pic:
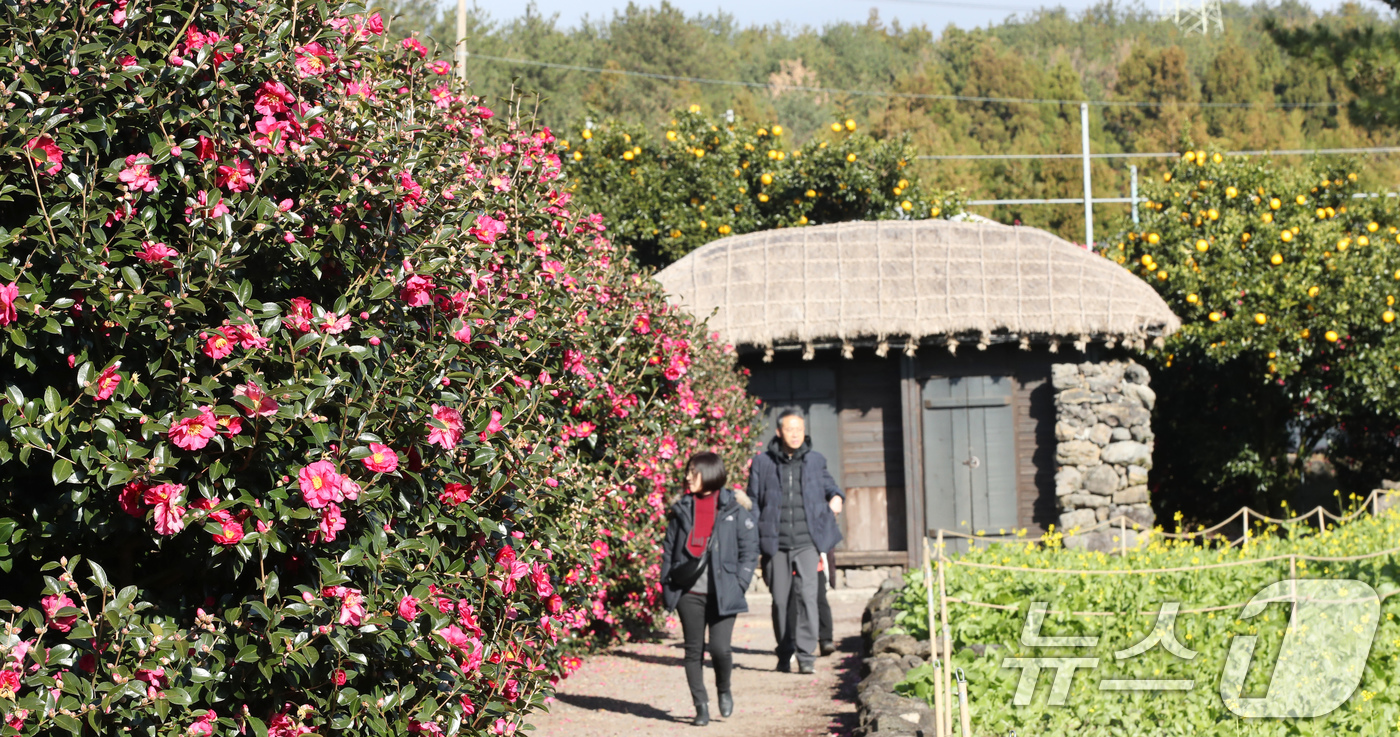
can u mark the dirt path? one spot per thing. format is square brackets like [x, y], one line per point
[640, 688]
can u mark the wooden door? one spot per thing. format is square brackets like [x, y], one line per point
[969, 454]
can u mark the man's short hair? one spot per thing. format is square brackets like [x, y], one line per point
[790, 412]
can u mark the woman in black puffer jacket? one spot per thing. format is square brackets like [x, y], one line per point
[707, 562]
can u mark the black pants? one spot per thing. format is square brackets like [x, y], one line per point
[823, 610]
[696, 613]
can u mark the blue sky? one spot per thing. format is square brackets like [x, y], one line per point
[936, 14]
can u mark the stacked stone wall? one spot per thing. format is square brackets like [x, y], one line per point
[1104, 441]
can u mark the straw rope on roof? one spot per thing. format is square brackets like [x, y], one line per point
[913, 279]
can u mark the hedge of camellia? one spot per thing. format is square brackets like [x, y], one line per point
[712, 178]
[323, 413]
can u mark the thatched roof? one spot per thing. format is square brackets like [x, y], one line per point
[912, 280]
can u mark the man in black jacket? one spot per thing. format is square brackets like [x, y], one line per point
[798, 501]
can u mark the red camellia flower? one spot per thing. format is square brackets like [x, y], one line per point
[320, 484]
[217, 345]
[381, 459]
[455, 494]
[193, 433]
[51, 153]
[204, 149]
[8, 294]
[332, 522]
[417, 291]
[539, 574]
[52, 605]
[440, 67]
[236, 177]
[232, 532]
[408, 607]
[413, 44]
[263, 405]
[131, 496]
[107, 382]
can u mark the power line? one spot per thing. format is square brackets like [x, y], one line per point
[969, 6]
[899, 95]
[1165, 154]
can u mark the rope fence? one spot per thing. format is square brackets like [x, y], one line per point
[936, 565]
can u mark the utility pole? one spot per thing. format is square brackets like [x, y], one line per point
[462, 40]
[1132, 171]
[1088, 182]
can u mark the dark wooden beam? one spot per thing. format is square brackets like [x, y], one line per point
[912, 415]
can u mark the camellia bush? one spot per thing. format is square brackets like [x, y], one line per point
[710, 178]
[324, 410]
[1286, 285]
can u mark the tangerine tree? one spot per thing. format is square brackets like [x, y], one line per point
[1285, 279]
[708, 178]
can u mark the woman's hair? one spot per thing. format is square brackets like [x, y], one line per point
[711, 468]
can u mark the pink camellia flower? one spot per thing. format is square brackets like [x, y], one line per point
[237, 177]
[169, 515]
[361, 89]
[487, 228]
[642, 325]
[205, 150]
[246, 336]
[320, 484]
[263, 405]
[332, 522]
[454, 636]
[217, 345]
[375, 24]
[137, 173]
[107, 382]
[408, 607]
[381, 459]
[311, 59]
[203, 725]
[413, 44]
[333, 325]
[8, 294]
[450, 433]
[349, 489]
[10, 683]
[230, 425]
[51, 153]
[539, 574]
[454, 494]
[152, 252]
[52, 605]
[463, 333]
[495, 424]
[417, 291]
[512, 569]
[502, 727]
[352, 607]
[193, 433]
[273, 98]
[440, 67]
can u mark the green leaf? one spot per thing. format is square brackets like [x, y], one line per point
[62, 470]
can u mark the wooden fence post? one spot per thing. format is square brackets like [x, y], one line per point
[934, 656]
[947, 640]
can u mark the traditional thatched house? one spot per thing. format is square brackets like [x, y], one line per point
[922, 352]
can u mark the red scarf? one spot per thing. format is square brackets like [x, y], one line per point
[704, 523]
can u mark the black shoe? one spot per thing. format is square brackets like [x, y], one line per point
[784, 665]
[806, 668]
[726, 704]
[828, 647]
[702, 715]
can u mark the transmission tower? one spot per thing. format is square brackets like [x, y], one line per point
[1199, 18]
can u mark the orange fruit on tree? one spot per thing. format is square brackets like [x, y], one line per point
[1215, 316]
[1276, 259]
[1260, 318]
[1331, 336]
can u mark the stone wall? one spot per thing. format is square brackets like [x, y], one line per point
[1103, 433]
[887, 655]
